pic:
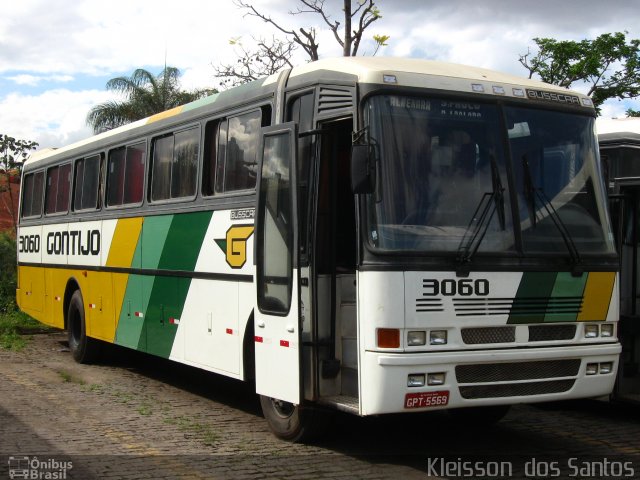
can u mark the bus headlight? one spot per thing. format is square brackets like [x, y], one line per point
[438, 337]
[436, 378]
[590, 331]
[606, 330]
[606, 367]
[592, 369]
[415, 380]
[416, 338]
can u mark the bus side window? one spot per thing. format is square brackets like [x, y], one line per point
[87, 176]
[57, 192]
[174, 165]
[209, 157]
[230, 152]
[125, 175]
[241, 152]
[301, 111]
[115, 176]
[134, 173]
[32, 195]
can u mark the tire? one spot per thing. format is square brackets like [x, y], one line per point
[479, 416]
[292, 422]
[83, 348]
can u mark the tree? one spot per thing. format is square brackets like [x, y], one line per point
[270, 56]
[609, 65]
[145, 94]
[13, 153]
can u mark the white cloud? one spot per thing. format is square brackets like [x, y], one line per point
[60, 117]
[54, 41]
[34, 80]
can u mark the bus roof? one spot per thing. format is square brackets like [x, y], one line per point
[618, 131]
[372, 70]
[407, 72]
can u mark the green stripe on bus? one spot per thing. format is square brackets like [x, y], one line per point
[565, 297]
[131, 330]
[184, 241]
[534, 289]
[181, 248]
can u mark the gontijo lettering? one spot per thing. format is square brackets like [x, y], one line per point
[74, 242]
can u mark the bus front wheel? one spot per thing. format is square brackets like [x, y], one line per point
[291, 422]
[83, 348]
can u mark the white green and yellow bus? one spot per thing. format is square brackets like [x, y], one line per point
[372, 235]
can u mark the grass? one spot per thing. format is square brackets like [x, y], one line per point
[13, 324]
[68, 377]
[189, 425]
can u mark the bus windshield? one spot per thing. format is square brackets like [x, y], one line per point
[443, 186]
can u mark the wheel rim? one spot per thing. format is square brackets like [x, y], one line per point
[281, 408]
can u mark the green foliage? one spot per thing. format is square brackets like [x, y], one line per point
[14, 152]
[145, 94]
[633, 113]
[12, 321]
[12, 325]
[7, 272]
[609, 65]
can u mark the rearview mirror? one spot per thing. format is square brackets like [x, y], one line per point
[363, 172]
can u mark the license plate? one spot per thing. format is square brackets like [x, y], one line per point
[426, 399]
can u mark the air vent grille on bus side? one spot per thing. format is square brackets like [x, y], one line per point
[331, 99]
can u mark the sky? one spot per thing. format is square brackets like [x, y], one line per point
[56, 56]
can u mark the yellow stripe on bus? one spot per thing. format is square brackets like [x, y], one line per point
[597, 296]
[163, 115]
[123, 247]
[125, 240]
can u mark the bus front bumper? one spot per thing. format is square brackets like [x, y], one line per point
[390, 382]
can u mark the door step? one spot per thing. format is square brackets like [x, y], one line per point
[343, 403]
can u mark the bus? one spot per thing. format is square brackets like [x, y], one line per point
[619, 141]
[370, 235]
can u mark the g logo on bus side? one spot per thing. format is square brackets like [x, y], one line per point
[235, 245]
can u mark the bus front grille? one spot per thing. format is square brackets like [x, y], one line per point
[545, 333]
[519, 371]
[515, 389]
[481, 335]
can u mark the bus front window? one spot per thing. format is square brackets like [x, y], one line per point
[559, 193]
[442, 181]
[440, 166]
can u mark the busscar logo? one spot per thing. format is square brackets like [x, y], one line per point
[235, 245]
[552, 97]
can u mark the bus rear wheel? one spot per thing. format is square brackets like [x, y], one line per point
[83, 348]
[291, 422]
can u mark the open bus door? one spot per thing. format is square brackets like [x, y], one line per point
[625, 215]
[276, 318]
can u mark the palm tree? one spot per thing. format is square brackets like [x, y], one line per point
[145, 94]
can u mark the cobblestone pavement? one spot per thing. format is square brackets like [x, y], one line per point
[139, 417]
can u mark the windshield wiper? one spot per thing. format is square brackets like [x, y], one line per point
[481, 219]
[531, 193]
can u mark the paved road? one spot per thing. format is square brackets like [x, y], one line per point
[139, 417]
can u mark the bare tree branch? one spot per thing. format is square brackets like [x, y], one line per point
[275, 54]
